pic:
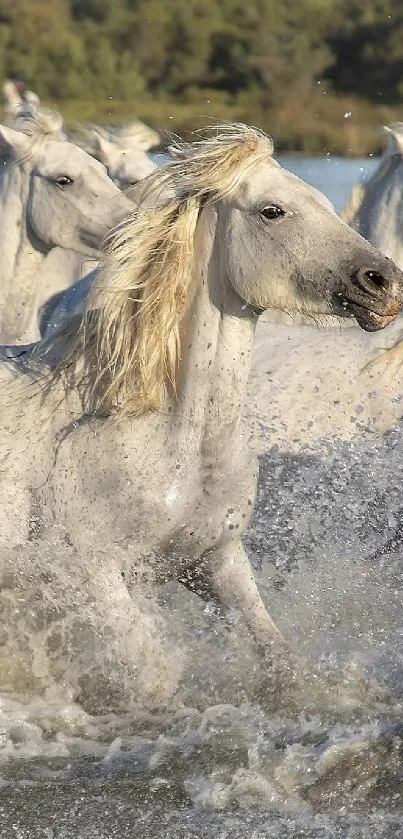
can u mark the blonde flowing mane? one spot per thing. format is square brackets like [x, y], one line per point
[128, 347]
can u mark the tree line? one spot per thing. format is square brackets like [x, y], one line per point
[247, 54]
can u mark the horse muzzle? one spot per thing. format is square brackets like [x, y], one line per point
[374, 295]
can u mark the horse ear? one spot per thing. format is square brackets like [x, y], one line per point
[13, 143]
[103, 148]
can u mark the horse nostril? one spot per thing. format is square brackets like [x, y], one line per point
[377, 279]
[371, 281]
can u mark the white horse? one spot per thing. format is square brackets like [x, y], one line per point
[71, 301]
[375, 208]
[125, 165]
[124, 154]
[54, 200]
[127, 458]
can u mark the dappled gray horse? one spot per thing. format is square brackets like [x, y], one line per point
[375, 209]
[54, 200]
[127, 456]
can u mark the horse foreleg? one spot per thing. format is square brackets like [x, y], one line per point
[224, 574]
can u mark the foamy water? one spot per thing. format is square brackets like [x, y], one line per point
[324, 758]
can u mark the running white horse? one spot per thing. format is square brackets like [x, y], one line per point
[54, 200]
[375, 208]
[127, 457]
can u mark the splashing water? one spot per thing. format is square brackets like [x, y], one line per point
[325, 760]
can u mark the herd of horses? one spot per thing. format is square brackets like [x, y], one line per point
[130, 294]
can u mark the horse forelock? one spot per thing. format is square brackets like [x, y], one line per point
[40, 125]
[131, 345]
[39, 128]
[38, 122]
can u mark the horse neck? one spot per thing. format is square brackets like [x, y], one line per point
[378, 219]
[216, 340]
[21, 261]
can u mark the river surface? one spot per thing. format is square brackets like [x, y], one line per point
[235, 749]
[335, 176]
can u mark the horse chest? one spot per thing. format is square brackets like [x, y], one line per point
[157, 500]
[220, 512]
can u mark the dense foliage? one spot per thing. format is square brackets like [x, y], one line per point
[250, 55]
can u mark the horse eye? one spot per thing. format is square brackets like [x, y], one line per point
[64, 180]
[272, 212]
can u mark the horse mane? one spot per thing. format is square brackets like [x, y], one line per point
[127, 347]
[355, 201]
[133, 137]
[136, 132]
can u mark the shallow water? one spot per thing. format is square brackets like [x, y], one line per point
[235, 750]
[335, 176]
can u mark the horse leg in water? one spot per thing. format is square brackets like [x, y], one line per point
[225, 576]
